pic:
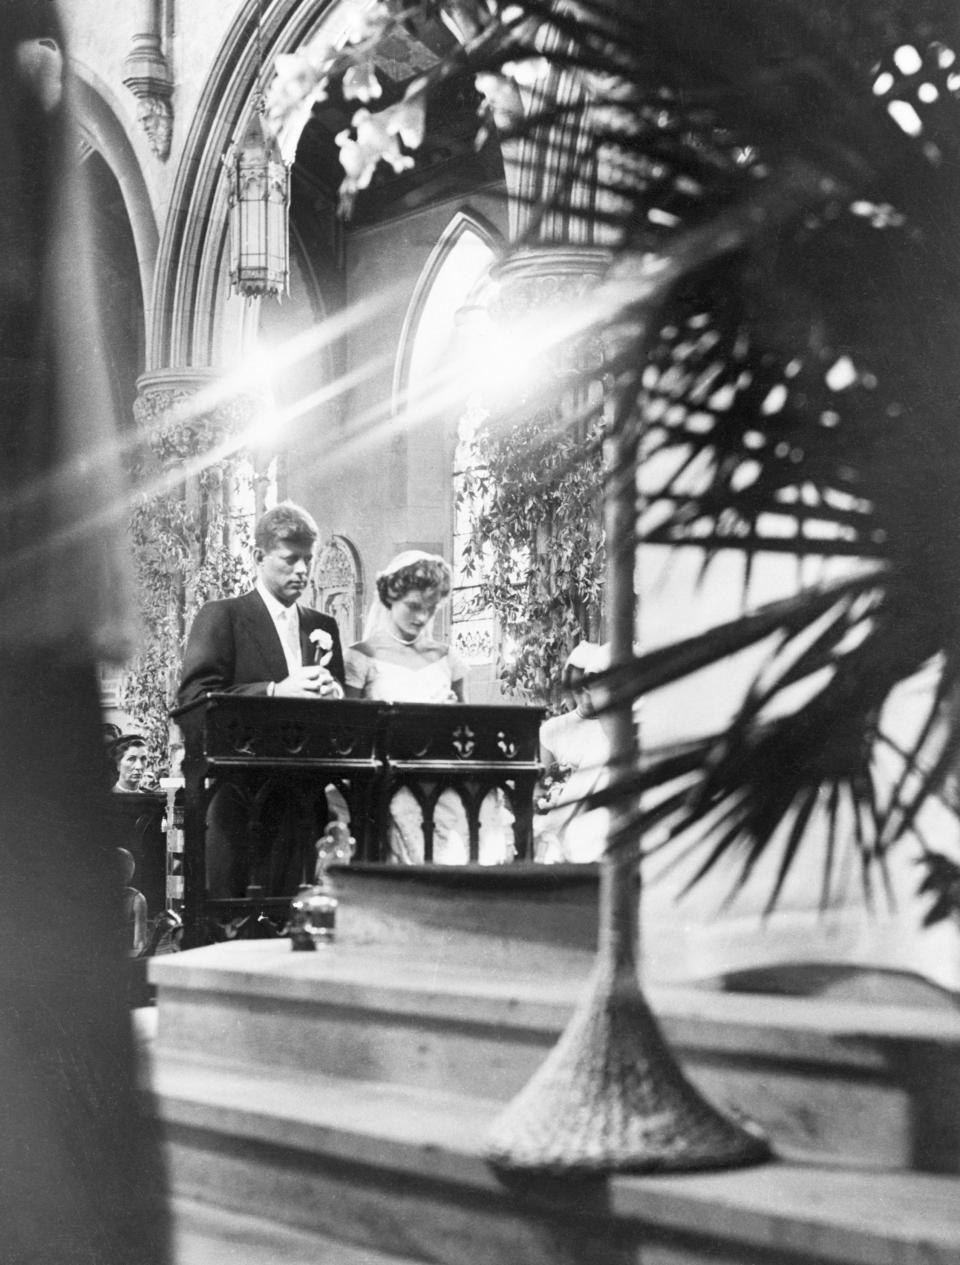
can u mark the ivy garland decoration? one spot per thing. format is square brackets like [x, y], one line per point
[537, 548]
[183, 557]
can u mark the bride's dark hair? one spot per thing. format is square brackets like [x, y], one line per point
[425, 572]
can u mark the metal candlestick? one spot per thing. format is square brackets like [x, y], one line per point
[313, 911]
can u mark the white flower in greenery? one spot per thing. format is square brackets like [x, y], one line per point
[501, 97]
[358, 158]
[408, 119]
[360, 83]
[356, 164]
[378, 137]
[301, 79]
[527, 71]
[295, 77]
[370, 25]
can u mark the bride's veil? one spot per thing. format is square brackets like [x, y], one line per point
[376, 622]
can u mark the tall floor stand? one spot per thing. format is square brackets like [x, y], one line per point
[610, 1095]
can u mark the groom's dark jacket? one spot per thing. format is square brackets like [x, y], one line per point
[234, 648]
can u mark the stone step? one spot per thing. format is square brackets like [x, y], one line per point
[205, 1235]
[398, 1170]
[859, 1084]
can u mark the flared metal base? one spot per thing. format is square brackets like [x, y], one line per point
[610, 1097]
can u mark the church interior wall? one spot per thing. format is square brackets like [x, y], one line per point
[101, 34]
[388, 488]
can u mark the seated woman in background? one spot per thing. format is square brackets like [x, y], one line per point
[129, 755]
[399, 661]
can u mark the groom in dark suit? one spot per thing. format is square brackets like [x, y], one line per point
[262, 643]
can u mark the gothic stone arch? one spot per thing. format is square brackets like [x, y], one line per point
[336, 586]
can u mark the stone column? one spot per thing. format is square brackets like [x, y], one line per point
[199, 493]
[147, 74]
[547, 287]
[196, 434]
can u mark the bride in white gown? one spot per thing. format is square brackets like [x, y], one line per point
[399, 661]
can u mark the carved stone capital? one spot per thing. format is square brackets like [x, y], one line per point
[534, 281]
[155, 116]
[185, 413]
[539, 286]
[147, 75]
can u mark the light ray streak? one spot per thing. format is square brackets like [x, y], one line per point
[232, 444]
[91, 465]
[325, 394]
[71, 477]
[265, 363]
[445, 390]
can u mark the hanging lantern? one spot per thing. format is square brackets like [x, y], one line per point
[259, 202]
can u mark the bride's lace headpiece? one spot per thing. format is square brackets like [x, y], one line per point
[407, 558]
[589, 658]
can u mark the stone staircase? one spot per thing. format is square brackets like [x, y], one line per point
[331, 1107]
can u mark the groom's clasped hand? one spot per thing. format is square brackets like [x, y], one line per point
[312, 681]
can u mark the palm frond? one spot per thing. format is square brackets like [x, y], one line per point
[790, 380]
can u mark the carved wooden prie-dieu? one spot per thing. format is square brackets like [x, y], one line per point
[139, 819]
[289, 752]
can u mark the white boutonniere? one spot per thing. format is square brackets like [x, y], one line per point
[322, 646]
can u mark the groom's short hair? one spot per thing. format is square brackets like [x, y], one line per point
[285, 521]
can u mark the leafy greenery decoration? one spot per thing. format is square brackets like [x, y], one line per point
[537, 544]
[184, 557]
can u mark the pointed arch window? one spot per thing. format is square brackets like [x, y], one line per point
[452, 283]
